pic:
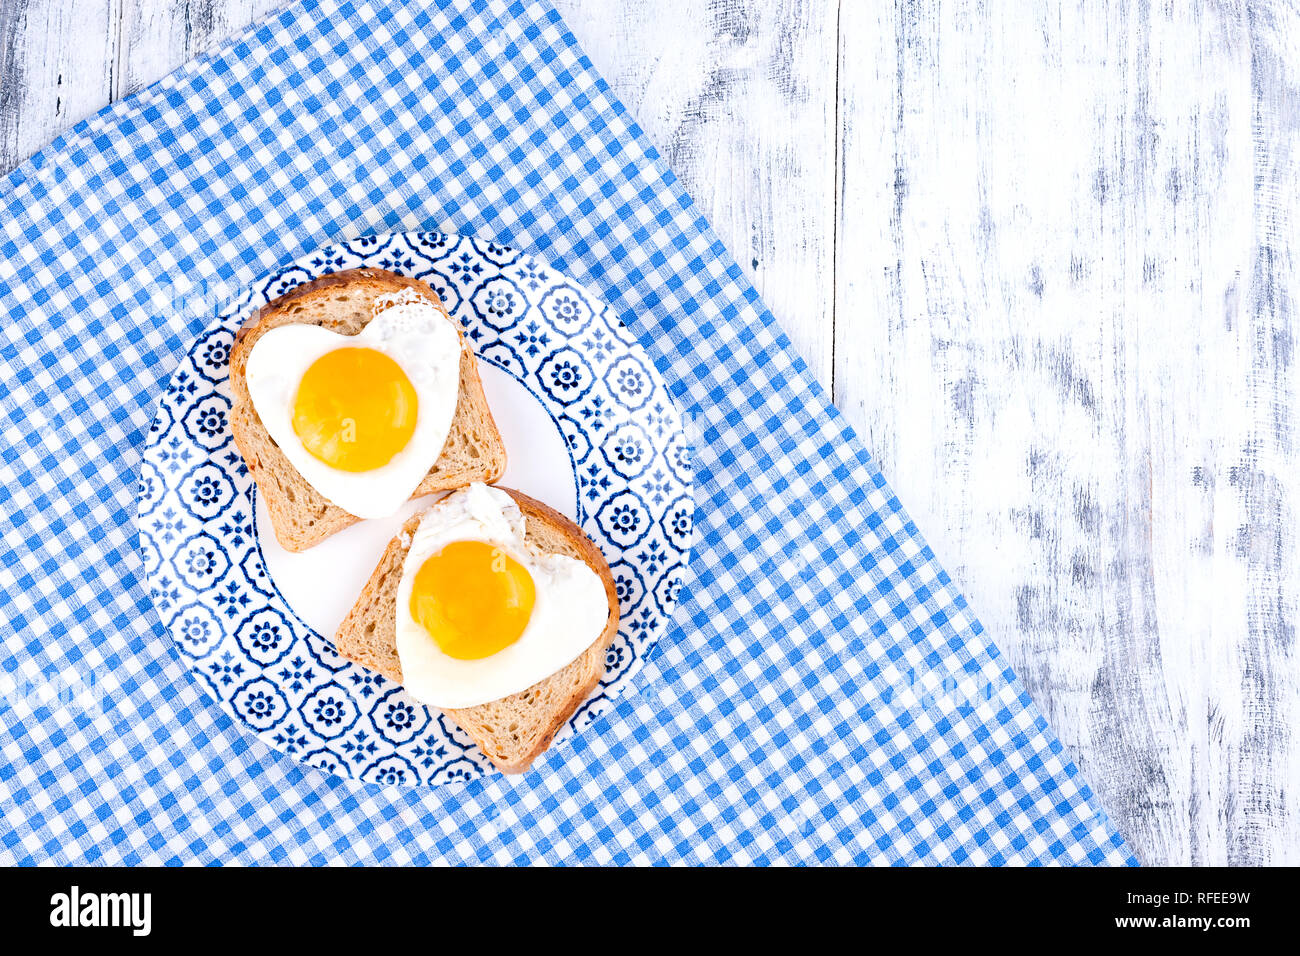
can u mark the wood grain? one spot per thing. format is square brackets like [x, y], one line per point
[1064, 241]
[57, 63]
[740, 99]
[1045, 257]
[62, 60]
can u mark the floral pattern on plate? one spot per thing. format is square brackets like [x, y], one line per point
[203, 560]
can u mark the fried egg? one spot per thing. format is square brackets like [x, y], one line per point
[361, 417]
[480, 613]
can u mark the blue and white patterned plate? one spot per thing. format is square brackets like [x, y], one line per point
[222, 586]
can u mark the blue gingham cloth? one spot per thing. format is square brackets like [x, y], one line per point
[826, 694]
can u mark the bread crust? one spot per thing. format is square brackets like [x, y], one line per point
[283, 489]
[380, 592]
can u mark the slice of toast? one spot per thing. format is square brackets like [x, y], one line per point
[343, 303]
[511, 731]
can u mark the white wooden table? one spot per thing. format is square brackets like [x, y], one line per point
[1047, 264]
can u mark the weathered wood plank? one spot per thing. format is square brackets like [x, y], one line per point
[61, 60]
[160, 35]
[740, 98]
[1065, 272]
[57, 59]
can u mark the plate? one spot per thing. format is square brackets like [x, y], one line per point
[589, 428]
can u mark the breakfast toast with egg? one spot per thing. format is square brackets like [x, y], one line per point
[513, 730]
[343, 302]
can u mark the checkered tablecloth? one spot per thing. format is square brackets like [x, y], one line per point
[826, 695]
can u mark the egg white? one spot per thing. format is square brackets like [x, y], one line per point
[569, 611]
[416, 335]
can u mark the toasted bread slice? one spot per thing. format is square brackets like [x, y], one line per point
[343, 302]
[511, 731]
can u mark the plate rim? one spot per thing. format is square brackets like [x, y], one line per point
[231, 313]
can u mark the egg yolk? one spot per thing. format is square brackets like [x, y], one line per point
[473, 599]
[355, 409]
